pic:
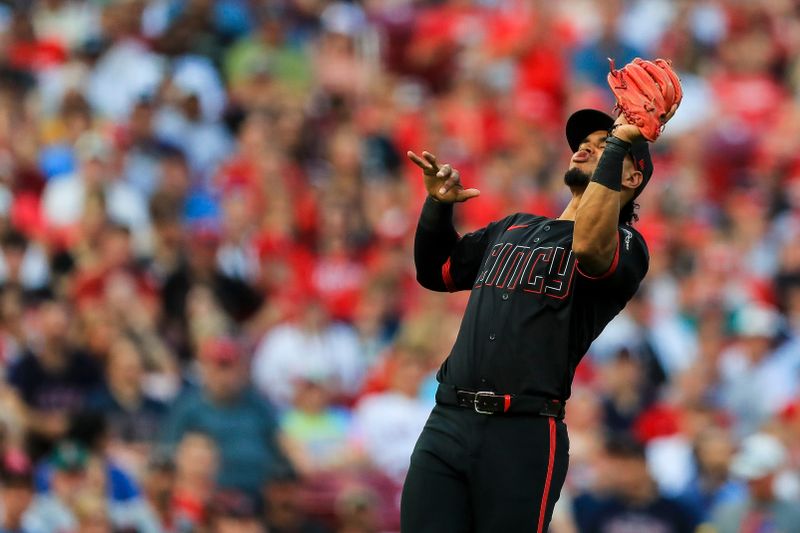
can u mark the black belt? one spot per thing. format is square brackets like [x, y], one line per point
[488, 402]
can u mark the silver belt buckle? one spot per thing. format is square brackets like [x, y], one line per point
[475, 401]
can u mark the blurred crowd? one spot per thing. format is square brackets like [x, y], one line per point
[209, 319]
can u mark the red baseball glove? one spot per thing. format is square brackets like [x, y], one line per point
[646, 91]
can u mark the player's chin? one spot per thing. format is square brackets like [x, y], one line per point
[576, 176]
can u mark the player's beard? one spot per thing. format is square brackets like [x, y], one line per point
[576, 178]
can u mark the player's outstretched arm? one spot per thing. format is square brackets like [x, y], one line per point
[436, 236]
[595, 237]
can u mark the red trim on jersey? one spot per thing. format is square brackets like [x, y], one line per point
[550, 460]
[609, 272]
[506, 402]
[517, 226]
[448, 279]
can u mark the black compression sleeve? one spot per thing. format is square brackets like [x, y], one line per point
[433, 243]
[609, 169]
[436, 216]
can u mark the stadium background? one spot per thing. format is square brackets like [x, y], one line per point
[200, 194]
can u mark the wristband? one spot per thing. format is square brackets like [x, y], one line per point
[609, 168]
[616, 141]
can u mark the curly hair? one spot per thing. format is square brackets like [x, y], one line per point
[627, 214]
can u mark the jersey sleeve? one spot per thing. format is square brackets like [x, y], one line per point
[461, 267]
[446, 261]
[628, 268]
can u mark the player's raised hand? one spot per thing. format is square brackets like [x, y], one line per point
[442, 182]
[626, 131]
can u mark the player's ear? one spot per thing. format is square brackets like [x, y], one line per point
[632, 179]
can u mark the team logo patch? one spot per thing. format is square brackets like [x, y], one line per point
[628, 237]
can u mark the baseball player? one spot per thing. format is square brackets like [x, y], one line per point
[493, 455]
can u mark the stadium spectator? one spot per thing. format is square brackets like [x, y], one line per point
[756, 379]
[712, 485]
[94, 186]
[199, 275]
[758, 462]
[196, 470]
[52, 379]
[55, 509]
[267, 51]
[590, 61]
[310, 343]
[316, 432]
[110, 476]
[625, 392]
[132, 416]
[144, 151]
[629, 499]
[242, 426]
[387, 423]
[158, 486]
[22, 262]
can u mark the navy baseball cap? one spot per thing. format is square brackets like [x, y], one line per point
[584, 122]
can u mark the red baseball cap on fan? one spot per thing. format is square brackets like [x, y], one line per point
[16, 469]
[790, 411]
[221, 350]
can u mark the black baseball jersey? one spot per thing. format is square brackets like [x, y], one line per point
[532, 313]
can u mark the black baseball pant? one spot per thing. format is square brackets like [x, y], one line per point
[476, 473]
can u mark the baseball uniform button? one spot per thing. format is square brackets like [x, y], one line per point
[547, 228]
[536, 239]
[492, 336]
[505, 296]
